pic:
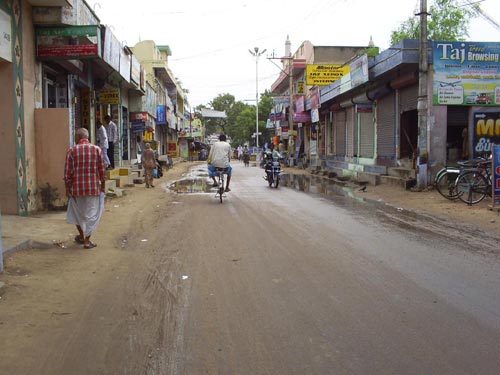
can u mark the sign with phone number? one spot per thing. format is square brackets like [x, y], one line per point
[496, 174]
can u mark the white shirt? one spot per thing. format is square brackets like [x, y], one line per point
[102, 137]
[112, 131]
[220, 154]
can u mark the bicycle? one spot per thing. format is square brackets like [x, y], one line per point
[446, 178]
[220, 194]
[474, 184]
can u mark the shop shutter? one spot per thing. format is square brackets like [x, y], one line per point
[350, 128]
[408, 98]
[367, 135]
[385, 127]
[339, 124]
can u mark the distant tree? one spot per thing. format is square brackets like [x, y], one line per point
[449, 20]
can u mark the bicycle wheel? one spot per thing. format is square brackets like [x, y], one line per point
[445, 183]
[221, 187]
[471, 187]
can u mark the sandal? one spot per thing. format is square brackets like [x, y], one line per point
[91, 245]
[79, 240]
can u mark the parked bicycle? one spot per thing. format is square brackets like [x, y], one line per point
[474, 184]
[446, 179]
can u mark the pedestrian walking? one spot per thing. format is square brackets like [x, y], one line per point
[102, 142]
[112, 131]
[84, 176]
[148, 161]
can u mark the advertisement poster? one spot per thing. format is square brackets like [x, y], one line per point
[466, 73]
[496, 174]
[486, 132]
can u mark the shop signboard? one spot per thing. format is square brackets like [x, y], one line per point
[496, 174]
[161, 115]
[111, 50]
[71, 42]
[485, 132]
[108, 96]
[466, 73]
[324, 74]
[173, 149]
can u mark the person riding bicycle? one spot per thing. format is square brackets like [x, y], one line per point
[219, 157]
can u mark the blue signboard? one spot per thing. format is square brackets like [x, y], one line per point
[466, 73]
[161, 115]
[496, 174]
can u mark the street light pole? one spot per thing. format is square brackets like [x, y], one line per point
[257, 54]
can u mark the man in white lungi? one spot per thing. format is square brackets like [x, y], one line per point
[84, 176]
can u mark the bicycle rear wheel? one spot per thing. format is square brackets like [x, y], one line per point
[445, 184]
[471, 187]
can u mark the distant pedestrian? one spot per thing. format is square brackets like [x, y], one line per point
[102, 142]
[148, 161]
[84, 176]
[112, 131]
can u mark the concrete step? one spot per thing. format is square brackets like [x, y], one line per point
[402, 172]
[403, 183]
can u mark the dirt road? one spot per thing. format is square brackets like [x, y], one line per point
[269, 282]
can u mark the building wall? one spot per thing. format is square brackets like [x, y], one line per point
[52, 142]
[8, 174]
[30, 82]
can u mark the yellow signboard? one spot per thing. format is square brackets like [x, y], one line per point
[301, 88]
[325, 74]
[108, 97]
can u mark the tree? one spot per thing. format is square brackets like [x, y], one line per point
[449, 20]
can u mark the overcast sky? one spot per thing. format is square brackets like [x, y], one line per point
[210, 40]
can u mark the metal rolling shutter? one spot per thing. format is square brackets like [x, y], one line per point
[339, 124]
[367, 135]
[350, 136]
[385, 127]
[408, 98]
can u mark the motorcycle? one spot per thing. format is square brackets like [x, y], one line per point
[272, 168]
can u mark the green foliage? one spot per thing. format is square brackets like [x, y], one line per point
[448, 20]
[240, 122]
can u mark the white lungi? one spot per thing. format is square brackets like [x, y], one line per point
[86, 212]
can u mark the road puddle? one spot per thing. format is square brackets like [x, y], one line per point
[326, 187]
[194, 182]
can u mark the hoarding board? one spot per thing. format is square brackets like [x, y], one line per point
[466, 73]
[324, 74]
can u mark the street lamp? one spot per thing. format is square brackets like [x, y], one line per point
[257, 54]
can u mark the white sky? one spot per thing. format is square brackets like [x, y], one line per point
[210, 40]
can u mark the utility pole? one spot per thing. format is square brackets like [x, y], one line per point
[257, 54]
[422, 104]
[291, 143]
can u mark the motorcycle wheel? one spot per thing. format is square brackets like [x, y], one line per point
[270, 179]
[276, 181]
